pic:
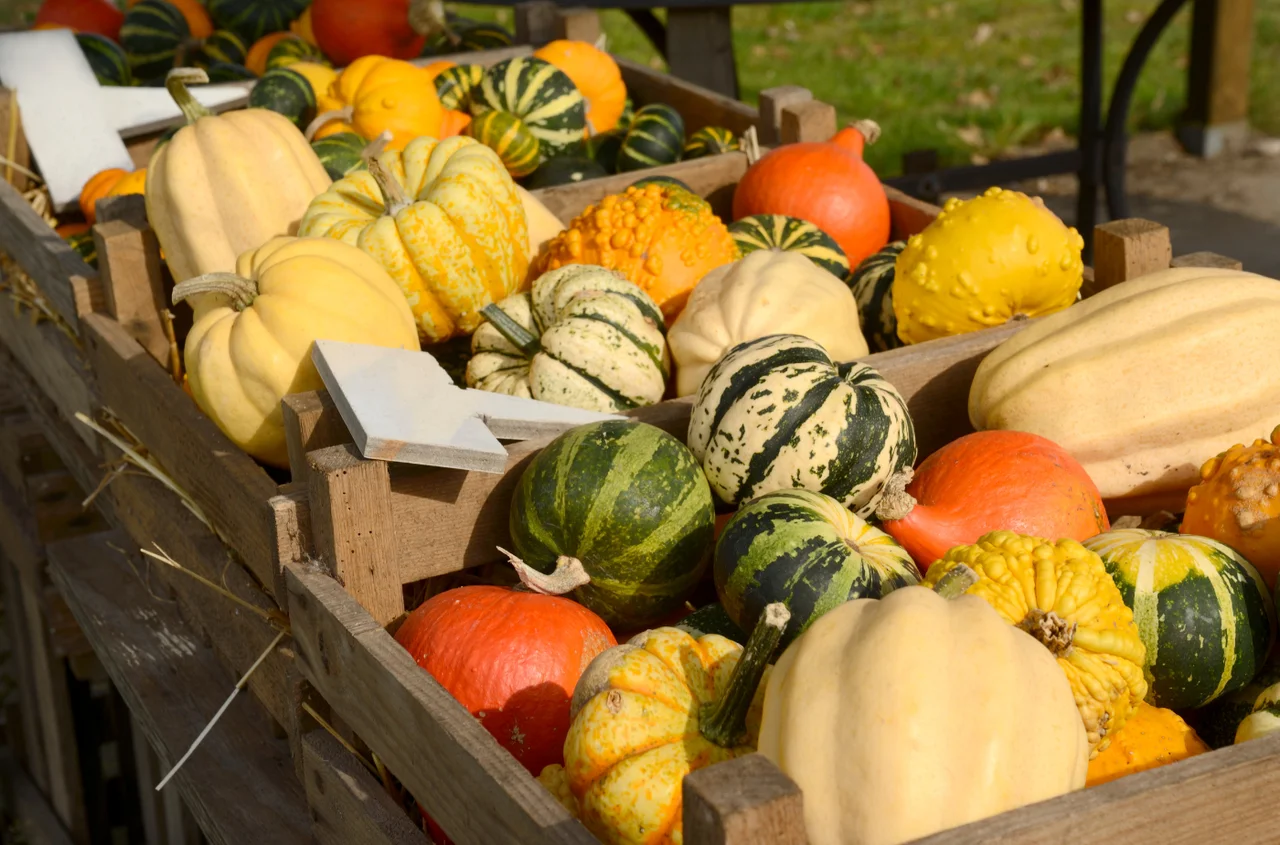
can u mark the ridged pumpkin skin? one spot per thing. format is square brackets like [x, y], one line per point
[106, 58]
[981, 263]
[1153, 737]
[595, 74]
[904, 716]
[768, 292]
[1060, 592]
[384, 95]
[991, 481]
[511, 658]
[1237, 502]
[539, 95]
[872, 285]
[242, 359]
[789, 234]
[460, 242]
[1148, 436]
[1204, 613]
[661, 237]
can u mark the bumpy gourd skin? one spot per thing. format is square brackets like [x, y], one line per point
[1039, 585]
[983, 262]
[1153, 737]
[1237, 502]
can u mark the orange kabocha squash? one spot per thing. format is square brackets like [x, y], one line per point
[661, 237]
[1153, 737]
[990, 481]
[596, 76]
[825, 183]
[376, 94]
[1237, 502]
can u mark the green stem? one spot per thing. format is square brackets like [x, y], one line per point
[724, 722]
[176, 84]
[239, 290]
[515, 334]
[955, 582]
[393, 196]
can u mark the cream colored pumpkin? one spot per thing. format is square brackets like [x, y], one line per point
[1143, 381]
[767, 292]
[243, 357]
[1264, 719]
[543, 225]
[911, 714]
[445, 221]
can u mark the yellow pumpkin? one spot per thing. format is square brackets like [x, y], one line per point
[243, 357]
[1153, 737]
[376, 94]
[595, 74]
[903, 716]
[320, 76]
[542, 224]
[130, 183]
[1061, 594]
[226, 183]
[443, 218]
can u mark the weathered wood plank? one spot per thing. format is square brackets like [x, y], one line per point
[743, 802]
[806, 122]
[772, 102]
[133, 282]
[311, 421]
[35, 822]
[908, 215]
[26, 735]
[1127, 249]
[11, 127]
[348, 806]
[37, 248]
[1206, 259]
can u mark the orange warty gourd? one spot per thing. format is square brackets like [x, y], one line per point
[346, 31]
[96, 188]
[661, 237]
[1237, 502]
[256, 60]
[596, 76]
[1152, 737]
[990, 481]
[100, 16]
[826, 183]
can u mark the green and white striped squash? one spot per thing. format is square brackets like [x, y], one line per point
[603, 148]
[340, 153]
[807, 550]
[583, 336]
[152, 34]
[290, 50]
[454, 85]
[85, 247]
[566, 170]
[222, 45]
[1264, 719]
[542, 96]
[627, 500]
[790, 234]
[1202, 610]
[1218, 722]
[472, 36]
[106, 58]
[655, 137]
[710, 141]
[872, 286]
[227, 72]
[712, 619]
[777, 413]
[252, 19]
[510, 138]
[285, 92]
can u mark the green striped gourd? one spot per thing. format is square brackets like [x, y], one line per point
[567, 170]
[872, 285]
[285, 92]
[790, 234]
[807, 550]
[227, 72]
[583, 336]
[106, 58]
[712, 619]
[152, 34]
[1202, 610]
[627, 500]
[710, 141]
[509, 137]
[454, 85]
[655, 137]
[252, 19]
[542, 96]
[603, 148]
[472, 36]
[340, 153]
[1218, 722]
[85, 247]
[776, 413]
[665, 181]
[222, 46]
[290, 50]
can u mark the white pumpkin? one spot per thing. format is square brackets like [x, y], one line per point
[768, 292]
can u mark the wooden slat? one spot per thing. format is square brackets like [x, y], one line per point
[348, 806]
[1206, 259]
[908, 215]
[806, 122]
[16, 151]
[133, 282]
[1127, 249]
[34, 821]
[311, 421]
[743, 802]
[239, 784]
[38, 250]
[698, 106]
[23, 449]
[772, 102]
[468, 783]
[29, 736]
[535, 22]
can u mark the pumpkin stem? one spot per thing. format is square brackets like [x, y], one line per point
[895, 502]
[750, 145]
[393, 195]
[427, 17]
[569, 575]
[344, 114]
[1054, 632]
[374, 148]
[240, 290]
[514, 333]
[869, 129]
[176, 83]
[724, 722]
[955, 582]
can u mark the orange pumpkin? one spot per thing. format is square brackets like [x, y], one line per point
[1152, 737]
[302, 28]
[100, 16]
[453, 123]
[826, 183]
[66, 230]
[256, 60]
[375, 94]
[198, 20]
[345, 30]
[596, 76]
[96, 188]
[438, 65]
[130, 183]
[991, 481]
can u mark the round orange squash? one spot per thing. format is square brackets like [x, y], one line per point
[100, 16]
[596, 76]
[345, 31]
[256, 60]
[1152, 737]
[96, 188]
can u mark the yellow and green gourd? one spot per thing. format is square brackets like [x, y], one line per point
[710, 141]
[454, 85]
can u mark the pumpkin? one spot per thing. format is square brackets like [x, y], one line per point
[443, 218]
[287, 92]
[1061, 594]
[222, 45]
[583, 337]
[252, 19]
[509, 137]
[512, 658]
[292, 50]
[654, 138]
[789, 234]
[543, 225]
[808, 551]
[541, 96]
[1264, 719]
[627, 500]
[382, 95]
[595, 74]
[302, 28]
[153, 33]
[96, 188]
[468, 36]
[826, 183]
[221, 72]
[663, 238]
[603, 148]
[710, 141]
[1143, 436]
[106, 59]
[647, 713]
[1204, 613]
[130, 183]
[197, 18]
[872, 286]
[97, 16]
[777, 413]
[763, 294]
[347, 31]
[1153, 737]
[455, 84]
[1237, 502]
[256, 59]
[904, 716]
[1218, 722]
[987, 481]
[320, 76]
[340, 154]
[568, 170]
[453, 123]
[662, 182]
[204, 187]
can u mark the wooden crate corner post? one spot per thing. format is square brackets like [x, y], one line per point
[132, 278]
[1127, 249]
[743, 802]
[772, 102]
[807, 121]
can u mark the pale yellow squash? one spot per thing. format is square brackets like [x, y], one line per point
[543, 225]
[443, 218]
[243, 357]
[1143, 381]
